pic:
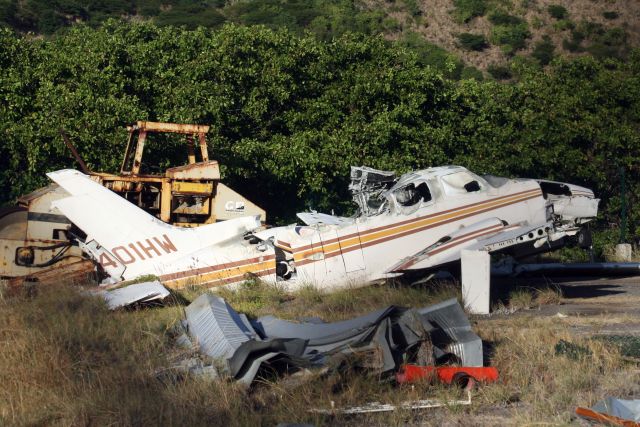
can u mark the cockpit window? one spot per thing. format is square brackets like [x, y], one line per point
[460, 183]
[411, 194]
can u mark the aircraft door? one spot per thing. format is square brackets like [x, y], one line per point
[351, 248]
[332, 253]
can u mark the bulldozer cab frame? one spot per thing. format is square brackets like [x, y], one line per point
[135, 146]
[188, 195]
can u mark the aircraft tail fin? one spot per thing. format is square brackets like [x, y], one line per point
[130, 235]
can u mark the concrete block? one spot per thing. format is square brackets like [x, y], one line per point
[624, 253]
[476, 271]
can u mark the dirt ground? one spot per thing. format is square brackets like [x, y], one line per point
[582, 297]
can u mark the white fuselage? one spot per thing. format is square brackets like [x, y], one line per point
[419, 221]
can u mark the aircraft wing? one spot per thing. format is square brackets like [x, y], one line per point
[490, 235]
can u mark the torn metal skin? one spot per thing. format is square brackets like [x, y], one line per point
[394, 334]
[406, 226]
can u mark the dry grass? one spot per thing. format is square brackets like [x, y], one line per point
[66, 360]
[255, 298]
[546, 386]
[529, 297]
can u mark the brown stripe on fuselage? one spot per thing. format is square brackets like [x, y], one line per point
[259, 260]
[407, 221]
[456, 241]
[233, 279]
[218, 267]
[409, 232]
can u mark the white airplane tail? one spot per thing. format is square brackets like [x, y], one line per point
[131, 236]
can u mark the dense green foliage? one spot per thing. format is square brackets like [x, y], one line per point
[290, 114]
[325, 19]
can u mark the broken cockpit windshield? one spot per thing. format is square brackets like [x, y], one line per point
[367, 186]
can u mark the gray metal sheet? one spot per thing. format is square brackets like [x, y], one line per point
[625, 409]
[320, 333]
[218, 329]
[451, 331]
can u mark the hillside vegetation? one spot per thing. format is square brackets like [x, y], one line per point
[291, 114]
[458, 37]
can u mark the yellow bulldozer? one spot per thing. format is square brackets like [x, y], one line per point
[37, 243]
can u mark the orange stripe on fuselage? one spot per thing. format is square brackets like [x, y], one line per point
[220, 272]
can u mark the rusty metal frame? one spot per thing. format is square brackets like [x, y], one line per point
[143, 127]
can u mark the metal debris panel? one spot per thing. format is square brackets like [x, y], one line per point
[136, 294]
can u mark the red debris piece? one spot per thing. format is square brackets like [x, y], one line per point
[464, 376]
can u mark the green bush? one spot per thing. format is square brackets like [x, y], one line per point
[543, 51]
[572, 45]
[591, 29]
[50, 21]
[471, 73]
[564, 24]
[614, 37]
[413, 7]
[466, 10]
[499, 72]
[470, 41]
[433, 55]
[557, 11]
[191, 17]
[500, 17]
[510, 37]
[609, 14]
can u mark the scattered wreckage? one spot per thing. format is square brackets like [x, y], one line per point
[434, 343]
[383, 339]
[136, 295]
[405, 226]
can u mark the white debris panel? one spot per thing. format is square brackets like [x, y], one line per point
[375, 407]
[140, 293]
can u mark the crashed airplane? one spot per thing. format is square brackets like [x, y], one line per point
[404, 226]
